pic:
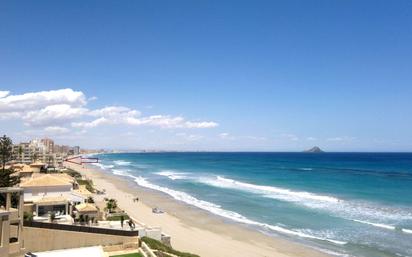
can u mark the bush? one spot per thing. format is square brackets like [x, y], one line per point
[27, 216]
[157, 245]
[87, 183]
[73, 174]
[129, 255]
[118, 217]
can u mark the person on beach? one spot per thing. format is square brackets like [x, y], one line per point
[121, 220]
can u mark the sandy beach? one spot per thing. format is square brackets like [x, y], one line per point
[191, 229]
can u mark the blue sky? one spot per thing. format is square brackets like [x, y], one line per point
[209, 75]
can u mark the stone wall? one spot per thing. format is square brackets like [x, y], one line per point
[40, 239]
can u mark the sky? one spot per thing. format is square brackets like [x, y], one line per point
[208, 75]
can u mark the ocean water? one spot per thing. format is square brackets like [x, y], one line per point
[347, 204]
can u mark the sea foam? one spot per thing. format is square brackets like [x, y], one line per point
[102, 166]
[408, 231]
[347, 209]
[217, 210]
[379, 225]
[121, 163]
[173, 175]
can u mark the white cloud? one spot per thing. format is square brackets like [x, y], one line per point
[55, 108]
[189, 137]
[56, 130]
[39, 100]
[311, 139]
[256, 138]
[92, 124]
[114, 111]
[292, 137]
[166, 121]
[226, 136]
[340, 139]
[53, 114]
[4, 93]
[202, 124]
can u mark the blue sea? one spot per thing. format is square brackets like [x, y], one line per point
[348, 204]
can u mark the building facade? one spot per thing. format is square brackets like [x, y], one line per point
[43, 151]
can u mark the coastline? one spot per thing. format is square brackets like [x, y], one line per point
[192, 230]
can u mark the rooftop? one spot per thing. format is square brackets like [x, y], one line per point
[86, 207]
[46, 180]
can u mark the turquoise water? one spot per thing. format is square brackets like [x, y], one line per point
[349, 204]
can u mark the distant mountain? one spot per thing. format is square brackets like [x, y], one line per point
[313, 150]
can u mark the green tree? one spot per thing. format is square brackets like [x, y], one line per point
[111, 204]
[6, 150]
[7, 176]
[20, 152]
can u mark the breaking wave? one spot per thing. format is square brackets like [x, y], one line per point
[408, 231]
[172, 174]
[102, 166]
[351, 210]
[121, 163]
[217, 210]
[379, 225]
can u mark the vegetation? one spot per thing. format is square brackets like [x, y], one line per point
[7, 176]
[129, 255]
[28, 216]
[52, 217]
[111, 204]
[118, 217]
[157, 245]
[20, 152]
[162, 254]
[73, 174]
[87, 183]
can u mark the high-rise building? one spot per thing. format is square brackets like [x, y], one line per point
[49, 144]
[44, 151]
[76, 150]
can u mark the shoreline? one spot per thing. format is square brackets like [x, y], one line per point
[192, 229]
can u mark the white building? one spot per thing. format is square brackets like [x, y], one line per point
[50, 193]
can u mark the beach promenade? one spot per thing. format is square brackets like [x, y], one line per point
[192, 230]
